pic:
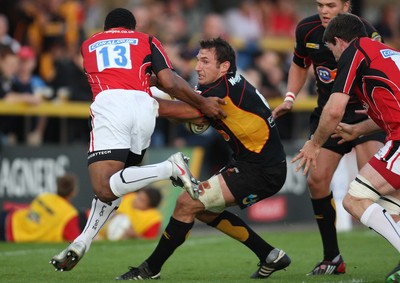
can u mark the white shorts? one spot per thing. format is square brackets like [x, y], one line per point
[122, 119]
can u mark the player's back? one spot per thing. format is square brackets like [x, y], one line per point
[117, 59]
[381, 80]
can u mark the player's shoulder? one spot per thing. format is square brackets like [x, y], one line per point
[371, 31]
[309, 22]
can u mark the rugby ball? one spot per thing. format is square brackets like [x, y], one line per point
[197, 129]
[117, 227]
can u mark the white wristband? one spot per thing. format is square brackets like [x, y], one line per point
[290, 96]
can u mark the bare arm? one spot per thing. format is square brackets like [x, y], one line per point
[177, 87]
[331, 115]
[176, 109]
[350, 132]
[296, 79]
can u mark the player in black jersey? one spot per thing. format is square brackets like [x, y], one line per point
[310, 51]
[257, 169]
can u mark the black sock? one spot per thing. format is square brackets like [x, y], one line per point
[236, 228]
[174, 235]
[325, 214]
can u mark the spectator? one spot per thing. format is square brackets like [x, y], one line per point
[11, 126]
[136, 217]
[49, 218]
[30, 84]
[244, 27]
[5, 38]
[388, 24]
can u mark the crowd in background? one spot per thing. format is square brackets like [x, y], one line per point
[40, 53]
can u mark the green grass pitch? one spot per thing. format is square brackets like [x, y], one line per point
[205, 257]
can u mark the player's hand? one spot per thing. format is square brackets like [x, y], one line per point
[346, 132]
[282, 109]
[361, 112]
[307, 156]
[212, 107]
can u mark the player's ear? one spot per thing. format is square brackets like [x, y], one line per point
[225, 66]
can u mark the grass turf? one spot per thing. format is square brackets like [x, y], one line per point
[205, 258]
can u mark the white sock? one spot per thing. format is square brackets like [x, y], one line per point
[134, 178]
[99, 214]
[376, 218]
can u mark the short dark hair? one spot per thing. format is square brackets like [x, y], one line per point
[154, 196]
[344, 26]
[223, 50]
[67, 184]
[120, 18]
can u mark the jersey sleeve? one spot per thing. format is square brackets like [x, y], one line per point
[300, 55]
[159, 58]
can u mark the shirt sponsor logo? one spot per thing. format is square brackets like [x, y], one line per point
[312, 45]
[100, 43]
[386, 53]
[325, 74]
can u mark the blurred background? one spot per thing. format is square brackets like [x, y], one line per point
[44, 110]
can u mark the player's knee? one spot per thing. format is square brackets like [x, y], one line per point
[316, 183]
[211, 195]
[361, 188]
[103, 192]
[184, 205]
[348, 202]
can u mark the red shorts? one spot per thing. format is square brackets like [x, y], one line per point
[387, 162]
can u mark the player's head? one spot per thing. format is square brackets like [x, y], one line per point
[67, 185]
[120, 18]
[328, 9]
[346, 27]
[342, 30]
[215, 59]
[147, 198]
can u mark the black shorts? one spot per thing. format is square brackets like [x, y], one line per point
[332, 144]
[250, 183]
[123, 155]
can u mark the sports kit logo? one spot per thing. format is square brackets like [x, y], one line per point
[325, 74]
[250, 200]
[312, 45]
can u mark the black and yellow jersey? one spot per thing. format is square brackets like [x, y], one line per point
[249, 128]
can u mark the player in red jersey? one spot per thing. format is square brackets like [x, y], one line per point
[310, 51]
[370, 70]
[119, 63]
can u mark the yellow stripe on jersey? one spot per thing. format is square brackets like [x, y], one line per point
[250, 129]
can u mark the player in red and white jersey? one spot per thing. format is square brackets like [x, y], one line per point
[119, 63]
[128, 55]
[371, 70]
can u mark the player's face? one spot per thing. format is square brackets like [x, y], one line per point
[207, 67]
[328, 9]
[336, 50]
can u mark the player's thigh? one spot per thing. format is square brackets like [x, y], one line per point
[365, 151]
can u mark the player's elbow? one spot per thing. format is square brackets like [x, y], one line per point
[335, 113]
[168, 81]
